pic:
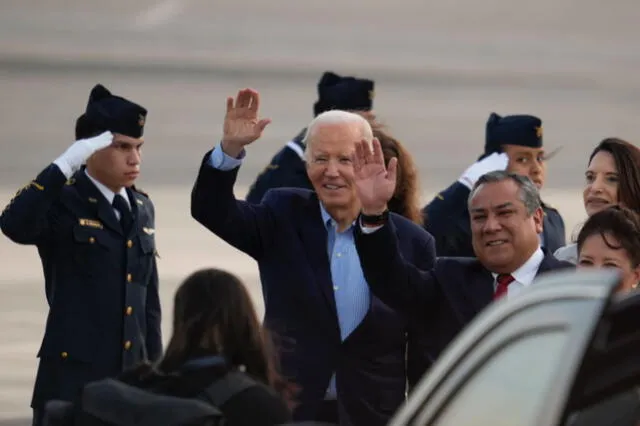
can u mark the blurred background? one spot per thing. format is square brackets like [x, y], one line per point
[440, 67]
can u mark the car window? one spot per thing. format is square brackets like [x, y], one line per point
[509, 387]
[619, 409]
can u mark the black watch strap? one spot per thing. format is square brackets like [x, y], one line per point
[375, 220]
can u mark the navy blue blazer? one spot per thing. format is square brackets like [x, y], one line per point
[286, 235]
[444, 299]
[101, 284]
[446, 217]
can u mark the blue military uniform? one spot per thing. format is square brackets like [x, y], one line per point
[446, 217]
[287, 168]
[101, 281]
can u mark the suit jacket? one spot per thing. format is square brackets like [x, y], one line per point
[101, 285]
[286, 235]
[444, 299]
[446, 217]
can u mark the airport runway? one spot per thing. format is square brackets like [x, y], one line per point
[440, 69]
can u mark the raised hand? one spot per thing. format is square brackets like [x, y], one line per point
[241, 123]
[375, 184]
[78, 153]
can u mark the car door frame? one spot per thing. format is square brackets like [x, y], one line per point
[479, 341]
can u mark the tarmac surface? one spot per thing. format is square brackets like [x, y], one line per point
[440, 69]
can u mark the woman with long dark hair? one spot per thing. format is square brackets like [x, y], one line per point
[216, 330]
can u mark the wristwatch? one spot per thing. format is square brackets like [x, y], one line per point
[375, 220]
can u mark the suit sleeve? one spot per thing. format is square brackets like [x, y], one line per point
[418, 360]
[425, 256]
[153, 313]
[26, 219]
[401, 285]
[248, 227]
[446, 217]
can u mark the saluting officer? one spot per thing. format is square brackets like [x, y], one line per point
[95, 236]
[519, 139]
[287, 167]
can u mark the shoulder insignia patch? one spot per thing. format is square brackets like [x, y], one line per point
[37, 186]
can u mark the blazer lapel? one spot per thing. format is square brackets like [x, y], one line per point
[135, 212]
[313, 234]
[104, 210]
[479, 285]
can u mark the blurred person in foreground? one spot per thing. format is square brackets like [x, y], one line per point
[612, 178]
[288, 166]
[506, 220]
[341, 345]
[95, 236]
[513, 143]
[215, 331]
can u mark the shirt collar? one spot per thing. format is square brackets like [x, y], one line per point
[108, 194]
[327, 220]
[527, 272]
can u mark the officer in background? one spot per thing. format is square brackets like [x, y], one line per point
[287, 167]
[519, 138]
[95, 236]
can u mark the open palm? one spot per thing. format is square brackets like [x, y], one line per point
[375, 184]
[241, 123]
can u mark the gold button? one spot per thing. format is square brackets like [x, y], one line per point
[127, 345]
[64, 354]
[92, 240]
[129, 278]
[129, 310]
[129, 243]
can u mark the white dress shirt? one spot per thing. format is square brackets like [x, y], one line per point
[524, 275]
[109, 194]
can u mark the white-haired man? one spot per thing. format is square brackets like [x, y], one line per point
[340, 344]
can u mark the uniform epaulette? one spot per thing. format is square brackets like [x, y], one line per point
[139, 191]
[547, 206]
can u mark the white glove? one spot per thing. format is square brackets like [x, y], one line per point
[488, 164]
[78, 153]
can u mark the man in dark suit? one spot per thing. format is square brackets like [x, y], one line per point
[506, 218]
[342, 346]
[95, 235]
[520, 138]
[287, 168]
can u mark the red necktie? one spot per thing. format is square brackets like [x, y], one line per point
[503, 285]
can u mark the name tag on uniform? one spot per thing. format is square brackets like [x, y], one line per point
[149, 231]
[90, 223]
